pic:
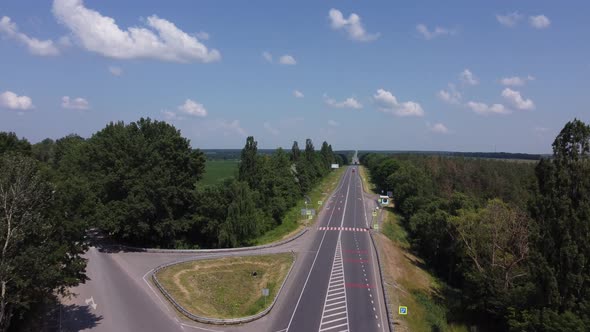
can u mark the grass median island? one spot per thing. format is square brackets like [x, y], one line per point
[226, 287]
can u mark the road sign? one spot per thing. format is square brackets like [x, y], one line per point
[320, 202]
[265, 292]
[376, 227]
[310, 217]
[374, 213]
[403, 310]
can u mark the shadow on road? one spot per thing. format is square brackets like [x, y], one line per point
[77, 318]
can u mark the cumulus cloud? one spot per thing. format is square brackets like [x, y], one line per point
[451, 96]
[298, 94]
[517, 100]
[169, 115]
[510, 19]
[485, 109]
[388, 103]
[202, 35]
[438, 31]
[287, 60]
[347, 103]
[11, 100]
[467, 77]
[539, 21]
[193, 108]
[229, 127]
[270, 128]
[115, 71]
[438, 128]
[160, 40]
[74, 103]
[267, 56]
[35, 46]
[352, 25]
[516, 80]
[333, 123]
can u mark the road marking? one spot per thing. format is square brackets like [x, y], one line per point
[347, 229]
[335, 301]
[316, 257]
[91, 300]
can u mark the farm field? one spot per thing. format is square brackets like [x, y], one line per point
[217, 171]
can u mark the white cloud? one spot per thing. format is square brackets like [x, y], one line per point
[539, 21]
[287, 60]
[352, 25]
[467, 77]
[202, 35]
[438, 31]
[516, 80]
[484, 109]
[11, 100]
[169, 115]
[348, 103]
[438, 128]
[517, 100]
[116, 71]
[270, 128]
[451, 96]
[35, 46]
[388, 103]
[75, 103]
[333, 123]
[298, 94]
[161, 40]
[193, 108]
[229, 127]
[267, 56]
[510, 19]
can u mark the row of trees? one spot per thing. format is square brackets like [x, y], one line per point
[514, 238]
[139, 183]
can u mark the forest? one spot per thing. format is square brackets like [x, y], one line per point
[139, 183]
[511, 239]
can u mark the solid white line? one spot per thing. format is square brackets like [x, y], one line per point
[312, 264]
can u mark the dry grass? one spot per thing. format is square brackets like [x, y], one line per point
[225, 287]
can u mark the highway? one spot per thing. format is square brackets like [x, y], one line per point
[334, 285]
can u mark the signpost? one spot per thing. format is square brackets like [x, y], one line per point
[403, 310]
[265, 293]
[320, 203]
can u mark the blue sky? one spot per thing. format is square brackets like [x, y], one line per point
[420, 75]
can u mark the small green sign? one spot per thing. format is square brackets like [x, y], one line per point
[374, 213]
[403, 310]
[376, 227]
[320, 202]
[310, 217]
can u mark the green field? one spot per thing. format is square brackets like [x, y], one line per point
[216, 171]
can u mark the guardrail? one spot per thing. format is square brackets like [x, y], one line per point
[385, 298]
[206, 251]
[217, 321]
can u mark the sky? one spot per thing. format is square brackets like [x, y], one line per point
[393, 75]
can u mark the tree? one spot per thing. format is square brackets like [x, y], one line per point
[242, 222]
[9, 142]
[295, 152]
[143, 175]
[44, 151]
[562, 214]
[248, 171]
[41, 248]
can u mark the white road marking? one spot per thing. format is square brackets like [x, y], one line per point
[335, 301]
[91, 300]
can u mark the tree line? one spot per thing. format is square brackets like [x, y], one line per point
[512, 238]
[139, 184]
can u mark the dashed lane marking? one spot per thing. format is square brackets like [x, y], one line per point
[349, 229]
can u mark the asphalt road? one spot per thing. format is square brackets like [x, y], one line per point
[334, 285]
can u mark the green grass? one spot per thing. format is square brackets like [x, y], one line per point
[226, 288]
[216, 171]
[293, 220]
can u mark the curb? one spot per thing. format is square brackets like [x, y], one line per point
[385, 298]
[194, 251]
[217, 321]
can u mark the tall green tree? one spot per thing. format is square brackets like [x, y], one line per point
[243, 218]
[295, 152]
[9, 142]
[41, 247]
[248, 170]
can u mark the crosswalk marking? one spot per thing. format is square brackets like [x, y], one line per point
[348, 229]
